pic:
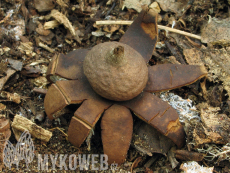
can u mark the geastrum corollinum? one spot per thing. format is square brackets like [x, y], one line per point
[116, 80]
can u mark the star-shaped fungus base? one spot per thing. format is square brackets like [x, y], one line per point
[117, 121]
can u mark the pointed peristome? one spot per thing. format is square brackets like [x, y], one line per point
[142, 34]
[170, 76]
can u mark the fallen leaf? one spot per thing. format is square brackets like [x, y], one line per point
[30, 71]
[61, 18]
[173, 6]
[217, 61]
[155, 6]
[214, 127]
[148, 140]
[15, 64]
[135, 4]
[3, 80]
[216, 32]
[43, 6]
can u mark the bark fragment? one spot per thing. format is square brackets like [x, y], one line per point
[22, 124]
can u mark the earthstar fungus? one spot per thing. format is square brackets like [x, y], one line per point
[115, 71]
[117, 122]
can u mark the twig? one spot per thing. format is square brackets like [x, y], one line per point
[7, 16]
[46, 47]
[57, 128]
[110, 22]
[40, 90]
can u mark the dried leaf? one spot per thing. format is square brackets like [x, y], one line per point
[30, 71]
[148, 140]
[3, 68]
[111, 28]
[62, 3]
[51, 24]
[5, 134]
[41, 81]
[3, 80]
[61, 18]
[135, 4]
[155, 6]
[216, 32]
[214, 127]
[173, 6]
[217, 61]
[26, 47]
[15, 64]
[2, 107]
[43, 6]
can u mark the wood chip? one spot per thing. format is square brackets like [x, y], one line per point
[46, 47]
[3, 80]
[61, 18]
[14, 97]
[26, 47]
[51, 24]
[22, 124]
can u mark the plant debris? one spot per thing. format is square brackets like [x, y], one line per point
[216, 32]
[217, 60]
[42, 41]
[23, 124]
[194, 167]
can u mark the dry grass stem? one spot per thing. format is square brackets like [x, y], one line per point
[110, 22]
